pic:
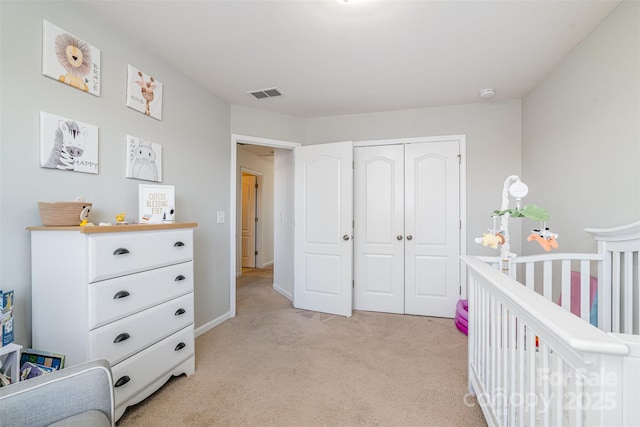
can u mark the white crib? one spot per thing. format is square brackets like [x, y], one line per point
[532, 362]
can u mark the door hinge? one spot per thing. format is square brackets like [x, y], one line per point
[459, 159]
[256, 253]
[256, 185]
[256, 219]
[353, 284]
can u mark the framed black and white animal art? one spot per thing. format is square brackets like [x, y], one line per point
[144, 159]
[68, 144]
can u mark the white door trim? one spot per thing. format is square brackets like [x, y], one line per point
[235, 139]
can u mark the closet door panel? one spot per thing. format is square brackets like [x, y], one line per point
[378, 222]
[432, 227]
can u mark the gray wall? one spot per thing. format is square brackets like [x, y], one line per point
[194, 134]
[581, 134]
[264, 124]
[493, 148]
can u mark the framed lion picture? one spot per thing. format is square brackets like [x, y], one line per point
[69, 59]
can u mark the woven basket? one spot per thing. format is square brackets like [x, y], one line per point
[59, 214]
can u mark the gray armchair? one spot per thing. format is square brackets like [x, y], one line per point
[81, 395]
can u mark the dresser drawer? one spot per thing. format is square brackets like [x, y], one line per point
[122, 338]
[137, 372]
[117, 254]
[113, 299]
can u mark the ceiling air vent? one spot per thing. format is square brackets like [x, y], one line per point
[266, 93]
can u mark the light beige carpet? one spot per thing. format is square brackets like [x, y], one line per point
[274, 365]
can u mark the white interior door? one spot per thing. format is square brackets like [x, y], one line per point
[248, 221]
[323, 249]
[432, 227]
[379, 228]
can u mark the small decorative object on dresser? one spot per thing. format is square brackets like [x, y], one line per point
[127, 296]
[157, 204]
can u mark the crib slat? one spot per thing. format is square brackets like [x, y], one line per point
[504, 330]
[530, 280]
[512, 368]
[636, 288]
[547, 280]
[578, 400]
[559, 371]
[494, 346]
[628, 292]
[585, 290]
[546, 393]
[531, 364]
[615, 292]
[566, 284]
[604, 293]
[521, 370]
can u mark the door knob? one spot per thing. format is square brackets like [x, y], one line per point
[409, 237]
[346, 237]
[399, 237]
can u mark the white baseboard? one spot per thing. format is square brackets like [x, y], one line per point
[282, 292]
[210, 325]
[267, 264]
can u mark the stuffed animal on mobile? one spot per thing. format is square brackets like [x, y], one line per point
[545, 238]
[492, 240]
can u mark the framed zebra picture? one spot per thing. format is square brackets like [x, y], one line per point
[68, 144]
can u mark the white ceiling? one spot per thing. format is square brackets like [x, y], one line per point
[333, 59]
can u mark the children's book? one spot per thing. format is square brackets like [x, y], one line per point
[7, 317]
[47, 359]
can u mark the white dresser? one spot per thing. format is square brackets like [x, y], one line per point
[123, 293]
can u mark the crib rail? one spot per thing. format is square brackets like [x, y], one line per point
[533, 363]
[540, 272]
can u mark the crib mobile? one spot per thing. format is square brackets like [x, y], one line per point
[500, 237]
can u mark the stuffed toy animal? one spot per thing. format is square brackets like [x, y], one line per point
[492, 240]
[545, 238]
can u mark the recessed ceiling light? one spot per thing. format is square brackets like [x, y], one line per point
[487, 93]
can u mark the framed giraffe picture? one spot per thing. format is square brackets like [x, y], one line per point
[144, 93]
[68, 144]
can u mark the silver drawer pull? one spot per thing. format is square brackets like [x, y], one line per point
[122, 337]
[178, 244]
[122, 381]
[180, 346]
[121, 251]
[179, 278]
[180, 311]
[121, 294]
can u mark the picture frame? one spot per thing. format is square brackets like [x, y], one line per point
[144, 93]
[69, 59]
[156, 204]
[144, 159]
[68, 144]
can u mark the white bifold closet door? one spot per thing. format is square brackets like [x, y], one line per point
[407, 228]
